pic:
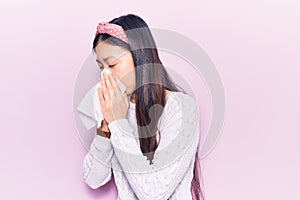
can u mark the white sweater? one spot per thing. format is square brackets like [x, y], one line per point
[171, 174]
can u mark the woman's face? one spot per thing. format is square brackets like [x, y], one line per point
[119, 61]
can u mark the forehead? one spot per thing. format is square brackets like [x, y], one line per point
[104, 50]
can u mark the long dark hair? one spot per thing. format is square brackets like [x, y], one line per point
[151, 80]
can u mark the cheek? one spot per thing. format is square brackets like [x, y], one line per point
[127, 73]
[128, 79]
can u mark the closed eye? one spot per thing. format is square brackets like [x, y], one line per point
[101, 67]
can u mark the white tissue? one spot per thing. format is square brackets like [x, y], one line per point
[120, 84]
[89, 108]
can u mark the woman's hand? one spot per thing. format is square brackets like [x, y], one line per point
[114, 105]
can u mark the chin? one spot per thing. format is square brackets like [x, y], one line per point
[128, 93]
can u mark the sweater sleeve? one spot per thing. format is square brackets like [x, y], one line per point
[172, 158]
[97, 162]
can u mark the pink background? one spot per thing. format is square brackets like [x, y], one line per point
[255, 46]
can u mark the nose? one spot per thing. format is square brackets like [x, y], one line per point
[105, 71]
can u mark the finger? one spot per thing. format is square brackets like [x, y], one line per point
[117, 90]
[101, 98]
[113, 81]
[104, 91]
[108, 84]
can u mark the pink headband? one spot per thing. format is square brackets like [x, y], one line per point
[113, 30]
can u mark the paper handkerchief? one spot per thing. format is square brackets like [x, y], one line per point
[89, 108]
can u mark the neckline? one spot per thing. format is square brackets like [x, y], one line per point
[132, 105]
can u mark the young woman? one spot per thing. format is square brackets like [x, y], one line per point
[150, 133]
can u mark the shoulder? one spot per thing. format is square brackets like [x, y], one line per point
[181, 101]
[180, 119]
[179, 107]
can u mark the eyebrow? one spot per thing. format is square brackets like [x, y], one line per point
[105, 59]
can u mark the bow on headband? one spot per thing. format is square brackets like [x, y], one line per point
[113, 30]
